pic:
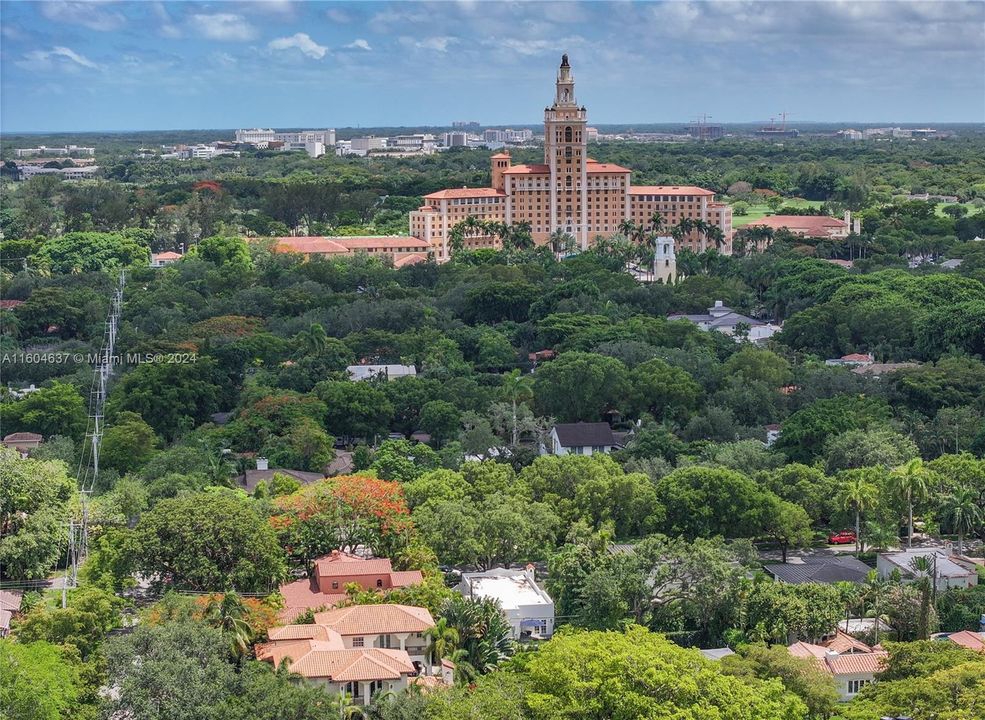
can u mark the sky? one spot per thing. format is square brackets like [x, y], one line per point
[107, 65]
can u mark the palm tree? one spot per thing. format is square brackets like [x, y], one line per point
[857, 495]
[312, 341]
[518, 388]
[925, 566]
[910, 481]
[226, 614]
[561, 243]
[873, 591]
[443, 640]
[962, 511]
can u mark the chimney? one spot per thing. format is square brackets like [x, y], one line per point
[532, 570]
[262, 463]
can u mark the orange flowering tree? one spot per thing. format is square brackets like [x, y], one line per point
[342, 513]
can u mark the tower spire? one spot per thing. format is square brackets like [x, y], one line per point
[565, 94]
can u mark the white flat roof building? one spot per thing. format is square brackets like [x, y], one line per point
[387, 372]
[529, 609]
[949, 570]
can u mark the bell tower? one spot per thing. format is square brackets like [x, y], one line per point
[565, 144]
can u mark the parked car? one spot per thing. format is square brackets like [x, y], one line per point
[845, 537]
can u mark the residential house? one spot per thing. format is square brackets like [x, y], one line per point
[389, 626]
[263, 473]
[772, 434]
[966, 638]
[724, 319]
[852, 360]
[386, 372]
[877, 370]
[326, 585]
[359, 673]
[819, 569]
[10, 604]
[851, 663]
[164, 258]
[529, 609]
[582, 439]
[23, 442]
[948, 570]
[399, 249]
[808, 226]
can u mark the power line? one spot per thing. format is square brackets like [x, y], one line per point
[88, 473]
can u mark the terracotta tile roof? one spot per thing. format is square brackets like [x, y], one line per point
[321, 245]
[411, 259]
[857, 663]
[376, 619]
[406, 578]
[528, 170]
[331, 567]
[319, 659]
[594, 166]
[166, 256]
[9, 304]
[971, 640]
[842, 642]
[23, 437]
[307, 631]
[358, 242]
[810, 225]
[465, 193]
[302, 595]
[500, 156]
[668, 190]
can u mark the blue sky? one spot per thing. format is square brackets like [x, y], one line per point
[105, 65]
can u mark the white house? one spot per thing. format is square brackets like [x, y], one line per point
[528, 608]
[724, 319]
[387, 372]
[582, 439]
[948, 570]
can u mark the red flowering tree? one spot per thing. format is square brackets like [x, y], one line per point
[342, 513]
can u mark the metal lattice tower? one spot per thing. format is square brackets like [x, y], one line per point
[88, 472]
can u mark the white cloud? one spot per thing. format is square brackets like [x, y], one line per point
[359, 44]
[223, 26]
[438, 43]
[338, 15]
[93, 15]
[302, 42]
[167, 28]
[57, 58]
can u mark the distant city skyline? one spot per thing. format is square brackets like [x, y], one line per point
[86, 66]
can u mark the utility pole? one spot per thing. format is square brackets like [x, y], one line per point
[89, 461]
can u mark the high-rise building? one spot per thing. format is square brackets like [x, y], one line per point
[569, 192]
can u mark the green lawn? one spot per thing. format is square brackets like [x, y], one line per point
[972, 210]
[762, 209]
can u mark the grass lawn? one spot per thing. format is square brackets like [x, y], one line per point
[762, 209]
[939, 210]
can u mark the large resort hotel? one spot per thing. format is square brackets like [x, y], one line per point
[569, 192]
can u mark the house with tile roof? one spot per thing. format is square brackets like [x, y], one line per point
[325, 587]
[359, 650]
[851, 663]
[10, 604]
[399, 249]
[965, 638]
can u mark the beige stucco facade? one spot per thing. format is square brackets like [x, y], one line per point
[568, 191]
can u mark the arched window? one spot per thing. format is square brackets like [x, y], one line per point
[567, 180]
[567, 151]
[567, 134]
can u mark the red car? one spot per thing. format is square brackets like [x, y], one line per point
[845, 537]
